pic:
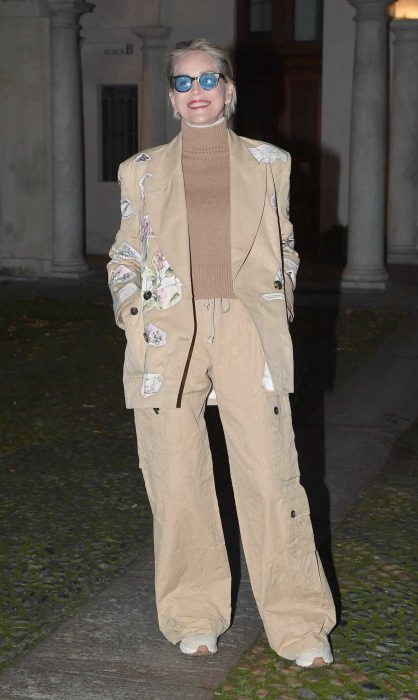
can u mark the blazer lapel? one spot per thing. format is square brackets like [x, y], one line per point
[248, 190]
[166, 206]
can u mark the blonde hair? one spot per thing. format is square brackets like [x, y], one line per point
[220, 56]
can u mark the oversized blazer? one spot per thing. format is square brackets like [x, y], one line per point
[149, 269]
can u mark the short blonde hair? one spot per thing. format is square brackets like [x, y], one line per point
[220, 56]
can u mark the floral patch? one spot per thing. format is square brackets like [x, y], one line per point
[146, 229]
[126, 292]
[121, 274]
[291, 268]
[141, 185]
[273, 202]
[125, 252]
[267, 153]
[289, 242]
[142, 158]
[151, 384]
[154, 335]
[127, 208]
[160, 286]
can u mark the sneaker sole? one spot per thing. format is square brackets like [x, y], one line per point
[200, 651]
[318, 662]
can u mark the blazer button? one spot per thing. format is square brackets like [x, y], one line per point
[276, 410]
[146, 337]
[278, 284]
[134, 311]
[293, 514]
[147, 295]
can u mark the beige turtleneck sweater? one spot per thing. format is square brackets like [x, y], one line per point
[205, 161]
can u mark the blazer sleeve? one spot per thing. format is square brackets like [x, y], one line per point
[281, 175]
[124, 267]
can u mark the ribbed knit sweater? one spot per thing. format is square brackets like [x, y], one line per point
[205, 161]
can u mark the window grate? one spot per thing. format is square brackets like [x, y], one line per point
[119, 105]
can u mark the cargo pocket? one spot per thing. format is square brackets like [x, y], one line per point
[151, 434]
[278, 419]
[300, 551]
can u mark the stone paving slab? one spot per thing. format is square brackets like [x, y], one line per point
[366, 415]
[113, 650]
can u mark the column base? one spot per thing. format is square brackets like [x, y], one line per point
[365, 279]
[406, 256]
[70, 269]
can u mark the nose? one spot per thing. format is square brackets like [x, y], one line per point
[195, 89]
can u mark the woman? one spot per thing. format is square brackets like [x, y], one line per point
[202, 273]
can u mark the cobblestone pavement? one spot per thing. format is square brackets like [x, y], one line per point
[72, 505]
[375, 644]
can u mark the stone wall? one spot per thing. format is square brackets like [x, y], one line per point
[25, 174]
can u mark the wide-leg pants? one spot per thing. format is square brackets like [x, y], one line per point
[192, 575]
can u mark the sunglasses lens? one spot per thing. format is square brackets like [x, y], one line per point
[208, 81]
[183, 83]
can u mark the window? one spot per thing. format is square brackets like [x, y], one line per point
[260, 15]
[307, 20]
[119, 107]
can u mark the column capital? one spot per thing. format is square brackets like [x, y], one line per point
[370, 9]
[153, 36]
[65, 13]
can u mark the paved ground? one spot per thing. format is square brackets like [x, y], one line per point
[112, 647]
[375, 643]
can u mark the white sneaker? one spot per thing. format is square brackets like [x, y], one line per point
[315, 657]
[199, 644]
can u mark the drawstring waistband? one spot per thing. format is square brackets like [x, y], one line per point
[224, 306]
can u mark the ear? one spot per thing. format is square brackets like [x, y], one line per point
[228, 92]
[172, 99]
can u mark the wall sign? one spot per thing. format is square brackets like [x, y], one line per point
[127, 50]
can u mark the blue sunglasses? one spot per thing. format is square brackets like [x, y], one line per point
[207, 81]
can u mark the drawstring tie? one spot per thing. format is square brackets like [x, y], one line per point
[224, 305]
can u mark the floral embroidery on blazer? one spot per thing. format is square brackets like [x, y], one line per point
[160, 286]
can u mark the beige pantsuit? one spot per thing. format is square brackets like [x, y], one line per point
[193, 584]
[177, 350]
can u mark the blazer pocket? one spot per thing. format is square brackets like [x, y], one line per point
[273, 296]
[135, 344]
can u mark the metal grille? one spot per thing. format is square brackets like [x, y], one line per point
[119, 127]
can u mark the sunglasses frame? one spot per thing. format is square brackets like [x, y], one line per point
[173, 79]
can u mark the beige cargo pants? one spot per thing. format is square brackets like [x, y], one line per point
[192, 576]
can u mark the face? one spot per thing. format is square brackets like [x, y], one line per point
[198, 106]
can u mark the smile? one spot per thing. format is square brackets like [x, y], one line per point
[197, 104]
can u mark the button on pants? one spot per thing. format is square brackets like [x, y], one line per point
[192, 575]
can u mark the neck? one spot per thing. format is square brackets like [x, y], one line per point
[213, 139]
[206, 126]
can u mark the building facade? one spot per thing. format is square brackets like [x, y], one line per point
[82, 88]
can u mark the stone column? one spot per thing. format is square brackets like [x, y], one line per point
[67, 138]
[365, 262]
[403, 158]
[153, 85]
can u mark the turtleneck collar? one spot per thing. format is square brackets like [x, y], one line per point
[212, 138]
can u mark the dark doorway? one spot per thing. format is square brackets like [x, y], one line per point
[279, 65]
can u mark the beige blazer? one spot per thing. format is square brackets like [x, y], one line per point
[149, 268]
